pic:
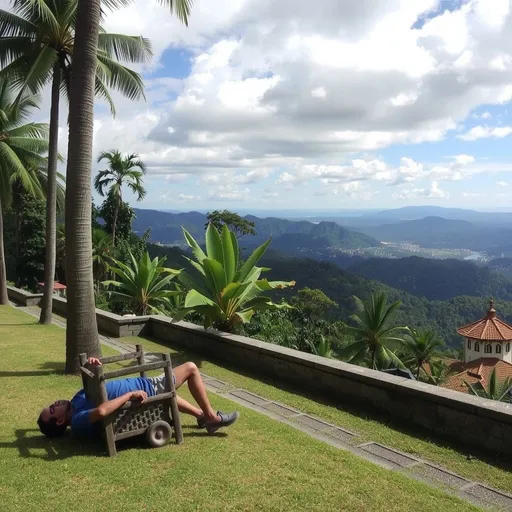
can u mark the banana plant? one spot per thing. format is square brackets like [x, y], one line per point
[145, 285]
[223, 290]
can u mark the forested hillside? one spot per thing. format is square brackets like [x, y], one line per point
[436, 279]
[443, 316]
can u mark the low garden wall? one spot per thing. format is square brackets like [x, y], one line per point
[22, 297]
[477, 422]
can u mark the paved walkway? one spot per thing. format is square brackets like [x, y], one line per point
[425, 471]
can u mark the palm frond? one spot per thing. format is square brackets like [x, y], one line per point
[101, 91]
[125, 48]
[118, 77]
[13, 25]
[36, 11]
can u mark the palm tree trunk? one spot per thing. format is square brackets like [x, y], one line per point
[82, 328]
[420, 364]
[4, 298]
[51, 202]
[114, 225]
[17, 230]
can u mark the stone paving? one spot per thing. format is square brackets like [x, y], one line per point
[422, 470]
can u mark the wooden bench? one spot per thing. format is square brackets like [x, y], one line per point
[157, 417]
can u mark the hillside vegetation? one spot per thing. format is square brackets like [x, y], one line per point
[444, 316]
[436, 279]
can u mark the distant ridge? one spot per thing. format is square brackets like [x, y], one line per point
[166, 229]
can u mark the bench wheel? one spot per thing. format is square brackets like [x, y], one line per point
[159, 433]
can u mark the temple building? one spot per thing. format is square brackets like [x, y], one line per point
[487, 346]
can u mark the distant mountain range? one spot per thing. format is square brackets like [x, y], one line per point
[409, 213]
[286, 235]
[439, 232]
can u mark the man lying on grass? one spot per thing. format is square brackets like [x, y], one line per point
[83, 416]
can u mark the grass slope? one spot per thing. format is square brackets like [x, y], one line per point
[224, 472]
[496, 472]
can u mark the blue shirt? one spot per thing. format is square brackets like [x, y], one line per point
[80, 422]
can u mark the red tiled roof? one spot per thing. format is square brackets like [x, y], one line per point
[488, 328]
[476, 371]
[56, 286]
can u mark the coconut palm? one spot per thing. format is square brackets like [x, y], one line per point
[82, 329]
[122, 170]
[495, 390]
[421, 345]
[36, 47]
[18, 192]
[224, 292]
[102, 254]
[144, 285]
[21, 147]
[323, 348]
[376, 338]
[438, 373]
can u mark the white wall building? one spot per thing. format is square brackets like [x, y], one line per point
[489, 338]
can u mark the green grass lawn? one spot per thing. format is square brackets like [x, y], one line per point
[258, 464]
[495, 471]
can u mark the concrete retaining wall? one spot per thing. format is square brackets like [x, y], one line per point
[23, 297]
[477, 422]
[110, 324]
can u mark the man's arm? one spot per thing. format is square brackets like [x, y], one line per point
[107, 408]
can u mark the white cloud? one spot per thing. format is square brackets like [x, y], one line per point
[485, 132]
[185, 197]
[280, 93]
[319, 92]
[182, 198]
[228, 193]
[502, 184]
[473, 194]
[433, 192]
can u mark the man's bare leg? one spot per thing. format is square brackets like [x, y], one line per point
[187, 408]
[189, 373]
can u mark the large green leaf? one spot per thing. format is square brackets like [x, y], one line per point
[246, 315]
[251, 262]
[195, 299]
[265, 285]
[198, 253]
[214, 244]
[229, 257]
[215, 277]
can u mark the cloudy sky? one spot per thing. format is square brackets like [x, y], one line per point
[283, 104]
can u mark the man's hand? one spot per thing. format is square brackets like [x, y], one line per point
[139, 395]
[94, 361]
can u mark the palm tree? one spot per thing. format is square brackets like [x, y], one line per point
[18, 191]
[323, 348]
[144, 285]
[375, 336]
[496, 390]
[37, 45]
[122, 170]
[102, 254]
[21, 146]
[421, 345]
[438, 374]
[82, 329]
